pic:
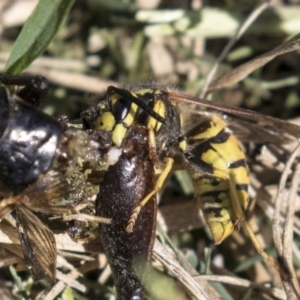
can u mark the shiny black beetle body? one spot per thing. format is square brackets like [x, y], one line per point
[123, 186]
[28, 140]
[40, 164]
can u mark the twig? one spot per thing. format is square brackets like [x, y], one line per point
[231, 42]
[290, 285]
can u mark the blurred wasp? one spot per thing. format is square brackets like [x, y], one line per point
[42, 162]
[181, 137]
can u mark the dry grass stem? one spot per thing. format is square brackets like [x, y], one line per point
[244, 70]
[246, 24]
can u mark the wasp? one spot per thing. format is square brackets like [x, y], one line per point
[42, 162]
[201, 143]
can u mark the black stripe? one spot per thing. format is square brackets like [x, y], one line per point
[215, 195]
[124, 124]
[181, 139]
[198, 163]
[237, 164]
[200, 128]
[213, 180]
[242, 187]
[221, 137]
[201, 148]
[216, 211]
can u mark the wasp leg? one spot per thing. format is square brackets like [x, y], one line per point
[152, 148]
[241, 219]
[160, 181]
[153, 126]
[157, 187]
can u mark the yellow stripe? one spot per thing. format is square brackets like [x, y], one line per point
[230, 150]
[159, 108]
[119, 134]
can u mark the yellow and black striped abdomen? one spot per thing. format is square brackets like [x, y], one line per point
[213, 197]
[219, 176]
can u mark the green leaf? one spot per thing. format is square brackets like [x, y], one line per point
[37, 33]
[19, 283]
[67, 294]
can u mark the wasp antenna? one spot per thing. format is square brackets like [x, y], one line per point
[132, 98]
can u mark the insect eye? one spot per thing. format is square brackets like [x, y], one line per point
[121, 109]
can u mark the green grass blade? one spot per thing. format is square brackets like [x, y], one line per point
[37, 33]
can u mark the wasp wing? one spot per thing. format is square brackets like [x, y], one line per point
[38, 244]
[272, 125]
